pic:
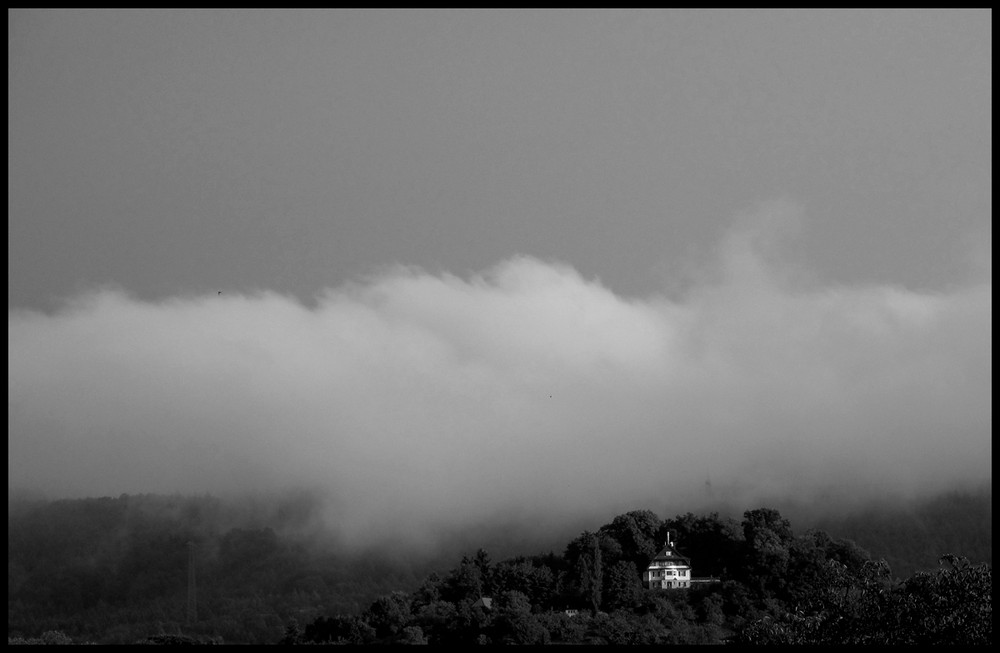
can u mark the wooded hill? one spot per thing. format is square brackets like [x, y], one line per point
[115, 570]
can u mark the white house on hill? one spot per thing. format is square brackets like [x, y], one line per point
[671, 570]
[667, 570]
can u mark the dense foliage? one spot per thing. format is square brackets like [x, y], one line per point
[861, 606]
[116, 571]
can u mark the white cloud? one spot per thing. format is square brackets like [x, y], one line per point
[418, 400]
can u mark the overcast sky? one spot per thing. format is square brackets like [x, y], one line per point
[496, 260]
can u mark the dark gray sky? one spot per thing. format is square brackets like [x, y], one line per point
[186, 151]
[471, 257]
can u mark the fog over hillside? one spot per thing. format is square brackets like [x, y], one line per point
[415, 402]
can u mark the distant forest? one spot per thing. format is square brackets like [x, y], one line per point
[117, 571]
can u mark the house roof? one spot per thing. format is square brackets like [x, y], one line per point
[669, 554]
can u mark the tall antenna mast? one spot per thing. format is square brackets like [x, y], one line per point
[192, 603]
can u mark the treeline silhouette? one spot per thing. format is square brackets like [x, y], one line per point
[115, 570]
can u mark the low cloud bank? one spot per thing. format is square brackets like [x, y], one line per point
[417, 402]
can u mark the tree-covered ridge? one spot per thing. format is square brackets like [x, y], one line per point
[912, 536]
[114, 571]
[775, 587]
